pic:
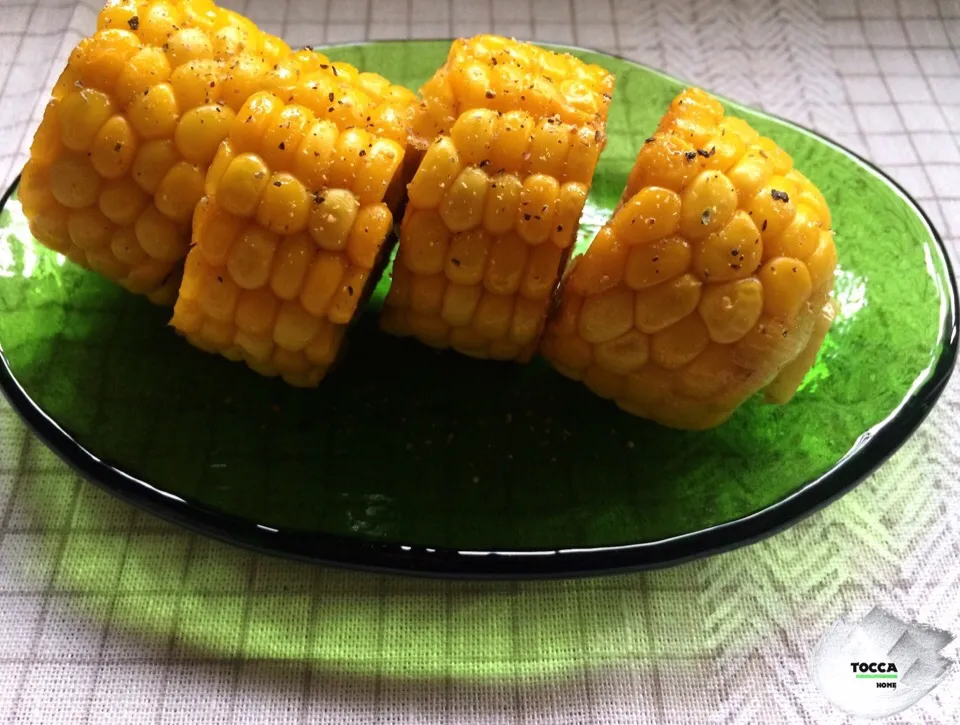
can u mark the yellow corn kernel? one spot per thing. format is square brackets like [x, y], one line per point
[333, 214]
[323, 349]
[771, 210]
[125, 247]
[493, 314]
[436, 173]
[152, 162]
[256, 311]
[214, 231]
[242, 184]
[113, 148]
[731, 310]
[258, 114]
[732, 253]
[602, 266]
[708, 204]
[607, 315]
[281, 139]
[666, 161]
[103, 261]
[316, 153]
[786, 285]
[81, 114]
[352, 145]
[713, 371]
[400, 280]
[154, 113]
[187, 317]
[343, 308]
[656, 262]
[660, 306]
[147, 67]
[293, 258]
[466, 258]
[800, 239]
[381, 163]
[89, 228]
[218, 296]
[473, 135]
[508, 259]
[750, 173]
[785, 385]
[200, 132]
[257, 350]
[251, 257]
[50, 228]
[294, 327]
[324, 279]
[571, 354]
[581, 161]
[426, 242]
[160, 236]
[74, 182]
[368, 234]
[528, 316]
[652, 213]
[284, 205]
[180, 190]
[624, 354]
[191, 83]
[513, 140]
[573, 195]
[549, 148]
[543, 268]
[502, 203]
[121, 202]
[460, 303]
[462, 205]
[822, 263]
[678, 344]
[426, 293]
[538, 201]
[605, 383]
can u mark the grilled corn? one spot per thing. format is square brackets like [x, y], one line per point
[288, 238]
[712, 281]
[513, 134]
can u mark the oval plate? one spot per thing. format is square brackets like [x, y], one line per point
[415, 461]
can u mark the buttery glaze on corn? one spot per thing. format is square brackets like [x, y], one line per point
[287, 238]
[514, 133]
[712, 281]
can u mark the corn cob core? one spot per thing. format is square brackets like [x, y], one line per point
[713, 280]
[287, 239]
[117, 164]
[494, 205]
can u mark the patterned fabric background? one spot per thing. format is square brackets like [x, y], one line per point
[108, 615]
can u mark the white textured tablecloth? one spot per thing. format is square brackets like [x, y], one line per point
[108, 615]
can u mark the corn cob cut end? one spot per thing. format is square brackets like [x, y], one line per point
[515, 132]
[288, 240]
[712, 281]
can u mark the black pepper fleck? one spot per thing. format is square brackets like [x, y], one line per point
[456, 262]
[490, 94]
[118, 146]
[705, 217]
[350, 290]
[763, 227]
[134, 22]
[526, 217]
[277, 183]
[362, 152]
[707, 154]
[691, 155]
[485, 162]
[734, 252]
[330, 96]
[282, 146]
[779, 195]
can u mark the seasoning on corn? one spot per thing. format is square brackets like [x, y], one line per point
[118, 162]
[289, 237]
[712, 281]
[513, 133]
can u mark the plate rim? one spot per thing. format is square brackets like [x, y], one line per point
[873, 448]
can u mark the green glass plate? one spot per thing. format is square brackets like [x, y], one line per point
[417, 461]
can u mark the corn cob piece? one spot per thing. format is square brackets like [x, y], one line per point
[713, 279]
[514, 133]
[117, 164]
[289, 237]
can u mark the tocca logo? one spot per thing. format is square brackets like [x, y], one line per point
[880, 665]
